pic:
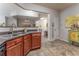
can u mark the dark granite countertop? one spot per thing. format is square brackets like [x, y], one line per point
[5, 37]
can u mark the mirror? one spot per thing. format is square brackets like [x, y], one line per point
[25, 19]
[21, 21]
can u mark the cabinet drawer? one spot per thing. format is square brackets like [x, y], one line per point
[36, 34]
[10, 43]
[17, 40]
[36, 37]
[27, 36]
[16, 50]
[36, 43]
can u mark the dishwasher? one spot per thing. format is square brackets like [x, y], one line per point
[2, 49]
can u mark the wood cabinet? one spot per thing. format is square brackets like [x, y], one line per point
[36, 40]
[74, 36]
[27, 43]
[15, 50]
[22, 45]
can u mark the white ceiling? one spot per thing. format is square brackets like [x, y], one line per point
[56, 6]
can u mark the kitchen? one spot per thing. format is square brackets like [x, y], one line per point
[20, 32]
[39, 29]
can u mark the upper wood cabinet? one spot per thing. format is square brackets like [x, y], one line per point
[27, 43]
[36, 40]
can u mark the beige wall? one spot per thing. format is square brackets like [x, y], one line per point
[74, 10]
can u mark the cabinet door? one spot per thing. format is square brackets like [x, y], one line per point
[36, 40]
[15, 50]
[73, 36]
[27, 44]
[11, 51]
[19, 49]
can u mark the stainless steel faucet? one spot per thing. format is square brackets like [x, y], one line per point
[11, 29]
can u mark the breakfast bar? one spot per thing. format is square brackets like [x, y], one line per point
[20, 44]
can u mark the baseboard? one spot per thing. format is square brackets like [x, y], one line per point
[65, 40]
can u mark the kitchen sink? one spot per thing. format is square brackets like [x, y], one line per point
[15, 34]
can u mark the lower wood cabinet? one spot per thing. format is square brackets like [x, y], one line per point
[27, 43]
[15, 50]
[19, 49]
[22, 45]
[36, 40]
